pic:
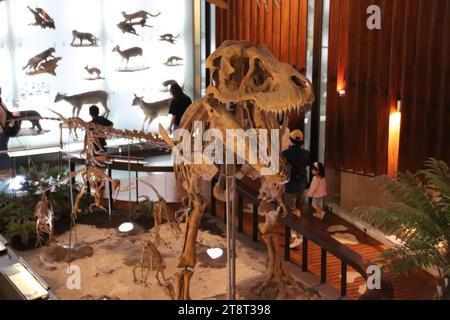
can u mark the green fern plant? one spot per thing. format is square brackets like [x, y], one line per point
[420, 218]
[24, 228]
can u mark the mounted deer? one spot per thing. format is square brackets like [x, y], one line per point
[79, 100]
[152, 110]
[129, 53]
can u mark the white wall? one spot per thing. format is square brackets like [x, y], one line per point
[19, 42]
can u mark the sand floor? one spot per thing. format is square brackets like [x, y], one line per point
[108, 272]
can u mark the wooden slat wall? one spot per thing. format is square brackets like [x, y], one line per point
[408, 59]
[282, 29]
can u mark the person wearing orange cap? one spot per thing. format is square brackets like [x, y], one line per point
[298, 159]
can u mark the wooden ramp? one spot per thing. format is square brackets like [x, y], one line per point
[414, 287]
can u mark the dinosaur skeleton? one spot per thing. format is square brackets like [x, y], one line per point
[163, 212]
[263, 91]
[94, 175]
[44, 222]
[152, 260]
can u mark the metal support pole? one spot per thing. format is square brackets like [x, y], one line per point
[231, 241]
[109, 195]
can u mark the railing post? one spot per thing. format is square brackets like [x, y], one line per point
[305, 255]
[110, 198]
[137, 187]
[240, 214]
[255, 222]
[343, 279]
[323, 266]
[287, 242]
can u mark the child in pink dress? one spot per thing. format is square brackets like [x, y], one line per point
[318, 189]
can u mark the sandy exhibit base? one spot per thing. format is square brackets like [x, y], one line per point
[108, 259]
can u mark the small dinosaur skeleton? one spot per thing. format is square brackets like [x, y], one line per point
[163, 212]
[94, 175]
[151, 260]
[44, 222]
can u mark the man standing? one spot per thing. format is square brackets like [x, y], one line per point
[100, 144]
[298, 160]
[178, 106]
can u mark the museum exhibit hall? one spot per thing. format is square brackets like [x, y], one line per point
[245, 150]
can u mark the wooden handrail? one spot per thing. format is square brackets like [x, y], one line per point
[249, 189]
[343, 253]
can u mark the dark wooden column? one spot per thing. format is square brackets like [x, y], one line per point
[207, 38]
[316, 78]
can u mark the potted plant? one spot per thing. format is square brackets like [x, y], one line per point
[420, 219]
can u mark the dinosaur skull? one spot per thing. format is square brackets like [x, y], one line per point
[242, 72]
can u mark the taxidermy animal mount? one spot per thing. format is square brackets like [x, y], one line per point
[93, 71]
[167, 84]
[79, 100]
[42, 18]
[42, 63]
[34, 62]
[169, 38]
[152, 110]
[173, 61]
[128, 27]
[83, 36]
[33, 117]
[127, 55]
[142, 14]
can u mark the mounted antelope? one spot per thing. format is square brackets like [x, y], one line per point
[152, 110]
[79, 100]
[129, 53]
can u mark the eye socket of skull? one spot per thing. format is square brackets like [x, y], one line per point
[261, 74]
[298, 82]
[241, 67]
